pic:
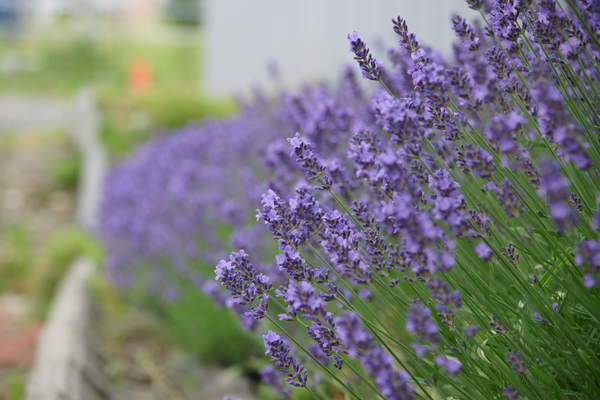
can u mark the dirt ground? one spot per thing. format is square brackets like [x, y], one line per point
[32, 207]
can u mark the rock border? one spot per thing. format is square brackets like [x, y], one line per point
[67, 364]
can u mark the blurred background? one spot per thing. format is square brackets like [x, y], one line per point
[126, 71]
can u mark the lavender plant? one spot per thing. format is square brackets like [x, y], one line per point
[437, 238]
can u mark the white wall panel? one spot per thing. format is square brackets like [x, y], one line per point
[307, 38]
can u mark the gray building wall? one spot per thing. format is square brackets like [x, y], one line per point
[307, 38]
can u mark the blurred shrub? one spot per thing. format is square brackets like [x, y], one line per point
[99, 58]
[130, 119]
[205, 330]
[64, 171]
[183, 12]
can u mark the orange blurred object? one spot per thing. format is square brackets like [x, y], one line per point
[17, 340]
[140, 75]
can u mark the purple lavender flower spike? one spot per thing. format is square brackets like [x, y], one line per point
[475, 4]
[340, 241]
[244, 283]
[502, 131]
[408, 41]
[504, 21]
[448, 203]
[576, 202]
[392, 384]
[540, 318]
[471, 331]
[352, 334]
[509, 393]
[302, 298]
[309, 162]
[589, 281]
[509, 252]
[466, 33]
[419, 323]
[281, 356]
[369, 66]
[483, 251]
[557, 125]
[514, 360]
[278, 349]
[587, 255]
[446, 299]
[475, 160]
[497, 326]
[530, 170]
[451, 366]
[555, 188]
[509, 199]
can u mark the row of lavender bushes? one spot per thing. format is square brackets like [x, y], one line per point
[436, 236]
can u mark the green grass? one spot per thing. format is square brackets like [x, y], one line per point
[16, 258]
[16, 386]
[211, 334]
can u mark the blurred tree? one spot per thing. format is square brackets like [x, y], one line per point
[183, 11]
[9, 14]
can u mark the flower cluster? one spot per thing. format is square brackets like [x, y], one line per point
[436, 235]
[244, 283]
[280, 351]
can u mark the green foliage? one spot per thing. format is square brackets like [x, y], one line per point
[65, 171]
[209, 333]
[183, 11]
[15, 262]
[16, 386]
[131, 119]
[54, 259]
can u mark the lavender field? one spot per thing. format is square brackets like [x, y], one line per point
[426, 227]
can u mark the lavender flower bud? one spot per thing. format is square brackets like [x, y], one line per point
[576, 202]
[408, 41]
[509, 199]
[465, 32]
[471, 331]
[475, 4]
[452, 367]
[483, 251]
[369, 66]
[514, 360]
[378, 364]
[509, 393]
[554, 188]
[498, 328]
[281, 356]
[509, 252]
[587, 255]
[311, 165]
[419, 323]
[540, 318]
